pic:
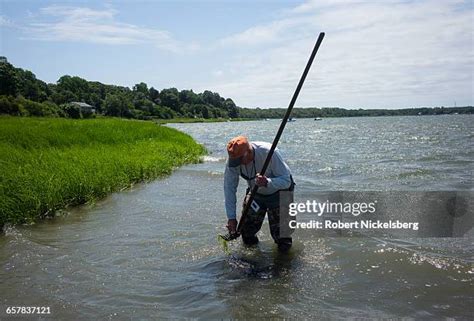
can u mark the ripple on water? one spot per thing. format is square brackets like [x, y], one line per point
[149, 252]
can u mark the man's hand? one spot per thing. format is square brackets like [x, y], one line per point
[261, 181]
[232, 226]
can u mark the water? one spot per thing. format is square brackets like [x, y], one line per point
[151, 252]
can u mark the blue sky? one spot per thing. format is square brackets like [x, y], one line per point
[376, 54]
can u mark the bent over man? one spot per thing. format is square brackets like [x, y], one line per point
[273, 197]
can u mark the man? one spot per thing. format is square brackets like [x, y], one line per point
[275, 191]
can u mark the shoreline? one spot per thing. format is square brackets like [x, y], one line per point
[200, 120]
[221, 120]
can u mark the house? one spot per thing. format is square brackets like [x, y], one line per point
[85, 108]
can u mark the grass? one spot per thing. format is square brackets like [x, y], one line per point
[49, 163]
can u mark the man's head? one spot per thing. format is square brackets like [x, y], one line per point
[240, 151]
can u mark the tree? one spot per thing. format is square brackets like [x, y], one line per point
[8, 79]
[154, 95]
[76, 85]
[231, 108]
[8, 105]
[28, 85]
[94, 100]
[117, 105]
[189, 97]
[211, 98]
[72, 111]
[169, 98]
[205, 112]
[63, 97]
[163, 112]
[141, 88]
[142, 103]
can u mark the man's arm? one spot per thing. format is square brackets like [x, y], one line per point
[231, 182]
[281, 172]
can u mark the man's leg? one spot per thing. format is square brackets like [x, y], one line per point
[284, 242]
[252, 225]
[279, 219]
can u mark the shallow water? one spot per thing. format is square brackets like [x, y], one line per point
[151, 252]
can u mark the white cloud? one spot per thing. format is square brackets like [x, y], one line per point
[217, 73]
[78, 24]
[262, 34]
[5, 21]
[394, 53]
[387, 54]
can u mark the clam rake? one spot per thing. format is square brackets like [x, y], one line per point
[251, 203]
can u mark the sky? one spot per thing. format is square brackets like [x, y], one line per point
[376, 54]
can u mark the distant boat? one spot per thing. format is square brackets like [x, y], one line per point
[318, 118]
[291, 119]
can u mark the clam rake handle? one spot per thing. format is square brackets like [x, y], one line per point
[280, 131]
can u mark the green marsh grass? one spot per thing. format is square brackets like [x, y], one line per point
[49, 163]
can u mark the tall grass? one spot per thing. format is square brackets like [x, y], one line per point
[47, 164]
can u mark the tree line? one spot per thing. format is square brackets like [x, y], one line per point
[21, 93]
[258, 113]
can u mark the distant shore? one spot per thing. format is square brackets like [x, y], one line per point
[50, 163]
[200, 120]
[331, 112]
[218, 120]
